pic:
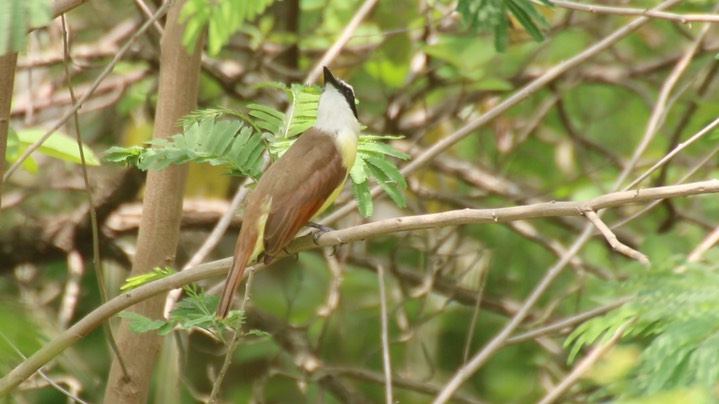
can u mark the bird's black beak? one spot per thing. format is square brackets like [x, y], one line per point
[329, 78]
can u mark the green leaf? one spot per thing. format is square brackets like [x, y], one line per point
[208, 139]
[388, 184]
[302, 110]
[267, 118]
[58, 145]
[304, 101]
[222, 18]
[217, 142]
[38, 12]
[247, 150]
[358, 173]
[363, 198]
[389, 170]
[14, 151]
[139, 280]
[139, 323]
[521, 10]
[372, 161]
[258, 333]
[491, 15]
[380, 148]
[17, 17]
[676, 316]
[235, 318]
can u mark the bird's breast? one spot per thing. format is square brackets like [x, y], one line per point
[346, 142]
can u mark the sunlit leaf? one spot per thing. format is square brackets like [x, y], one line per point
[58, 145]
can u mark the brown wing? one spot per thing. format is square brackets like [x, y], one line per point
[303, 180]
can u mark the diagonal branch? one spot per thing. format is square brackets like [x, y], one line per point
[598, 9]
[219, 268]
[501, 215]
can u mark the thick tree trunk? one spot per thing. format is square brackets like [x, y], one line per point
[162, 210]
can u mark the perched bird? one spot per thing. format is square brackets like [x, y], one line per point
[299, 185]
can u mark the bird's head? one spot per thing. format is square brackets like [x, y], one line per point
[337, 110]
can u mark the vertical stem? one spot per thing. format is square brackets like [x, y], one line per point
[7, 82]
[162, 210]
[385, 337]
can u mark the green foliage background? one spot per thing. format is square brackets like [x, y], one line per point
[420, 74]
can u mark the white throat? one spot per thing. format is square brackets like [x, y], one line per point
[334, 115]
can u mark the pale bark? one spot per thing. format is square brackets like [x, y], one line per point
[162, 210]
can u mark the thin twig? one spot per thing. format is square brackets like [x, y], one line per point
[706, 244]
[681, 146]
[42, 374]
[148, 13]
[236, 336]
[699, 164]
[385, 337]
[96, 259]
[660, 109]
[598, 9]
[333, 294]
[70, 297]
[341, 41]
[613, 240]
[475, 315]
[566, 323]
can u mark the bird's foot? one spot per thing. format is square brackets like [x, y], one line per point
[321, 229]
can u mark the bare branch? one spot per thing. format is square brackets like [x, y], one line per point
[613, 240]
[500, 215]
[599, 9]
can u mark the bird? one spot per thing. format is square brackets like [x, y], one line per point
[299, 185]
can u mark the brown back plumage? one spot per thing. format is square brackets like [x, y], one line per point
[301, 190]
[298, 191]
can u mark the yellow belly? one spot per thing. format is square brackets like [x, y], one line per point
[346, 143]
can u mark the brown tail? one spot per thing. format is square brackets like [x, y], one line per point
[234, 277]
